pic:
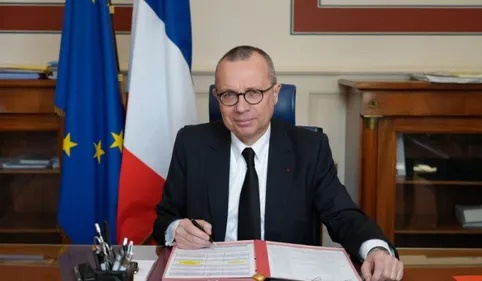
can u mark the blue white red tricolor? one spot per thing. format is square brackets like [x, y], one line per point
[161, 100]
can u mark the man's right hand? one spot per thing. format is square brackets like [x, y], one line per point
[188, 236]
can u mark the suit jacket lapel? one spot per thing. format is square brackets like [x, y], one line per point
[279, 180]
[218, 187]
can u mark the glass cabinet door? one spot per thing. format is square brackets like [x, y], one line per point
[438, 196]
[29, 184]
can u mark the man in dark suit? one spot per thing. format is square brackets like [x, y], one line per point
[253, 177]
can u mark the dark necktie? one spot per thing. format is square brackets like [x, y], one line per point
[249, 218]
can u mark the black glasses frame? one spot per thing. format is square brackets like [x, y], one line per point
[244, 95]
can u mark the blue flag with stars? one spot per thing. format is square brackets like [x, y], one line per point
[88, 94]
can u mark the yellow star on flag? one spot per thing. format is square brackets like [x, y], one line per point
[118, 140]
[68, 144]
[98, 151]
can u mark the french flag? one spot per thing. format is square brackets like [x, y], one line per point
[161, 100]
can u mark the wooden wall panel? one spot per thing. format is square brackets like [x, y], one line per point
[49, 18]
[308, 17]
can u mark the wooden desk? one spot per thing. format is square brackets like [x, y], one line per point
[60, 259]
[45, 269]
[440, 264]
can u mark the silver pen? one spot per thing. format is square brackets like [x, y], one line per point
[78, 277]
[117, 262]
[126, 262]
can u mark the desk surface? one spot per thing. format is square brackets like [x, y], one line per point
[52, 262]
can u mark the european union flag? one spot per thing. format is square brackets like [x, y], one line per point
[88, 93]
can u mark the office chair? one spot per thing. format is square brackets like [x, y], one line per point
[284, 110]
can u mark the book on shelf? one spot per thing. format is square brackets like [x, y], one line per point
[29, 163]
[469, 216]
[449, 77]
[29, 72]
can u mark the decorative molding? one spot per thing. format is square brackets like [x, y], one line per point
[297, 72]
[389, 73]
[308, 18]
[400, 4]
[48, 18]
[322, 94]
[399, 75]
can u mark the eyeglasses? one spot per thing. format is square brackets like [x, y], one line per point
[253, 96]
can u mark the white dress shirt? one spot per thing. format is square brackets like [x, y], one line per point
[237, 173]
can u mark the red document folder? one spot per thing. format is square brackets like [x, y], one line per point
[468, 278]
[245, 260]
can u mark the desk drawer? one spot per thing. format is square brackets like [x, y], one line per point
[26, 100]
[422, 103]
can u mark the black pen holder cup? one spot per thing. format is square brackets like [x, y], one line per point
[92, 274]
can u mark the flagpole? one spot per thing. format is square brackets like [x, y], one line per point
[120, 76]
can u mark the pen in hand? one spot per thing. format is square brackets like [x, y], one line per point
[196, 224]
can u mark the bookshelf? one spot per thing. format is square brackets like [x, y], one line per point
[30, 154]
[414, 149]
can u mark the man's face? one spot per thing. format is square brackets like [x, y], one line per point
[247, 121]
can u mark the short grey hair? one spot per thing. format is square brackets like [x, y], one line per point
[244, 52]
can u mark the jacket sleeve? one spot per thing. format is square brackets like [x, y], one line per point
[173, 204]
[345, 222]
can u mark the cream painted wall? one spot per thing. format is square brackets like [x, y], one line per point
[221, 24]
[313, 62]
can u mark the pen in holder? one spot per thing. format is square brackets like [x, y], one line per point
[117, 266]
[109, 264]
[119, 275]
[85, 272]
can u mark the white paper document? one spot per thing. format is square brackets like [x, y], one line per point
[305, 263]
[447, 77]
[240, 260]
[223, 260]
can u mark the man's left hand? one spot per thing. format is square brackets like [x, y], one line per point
[381, 266]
